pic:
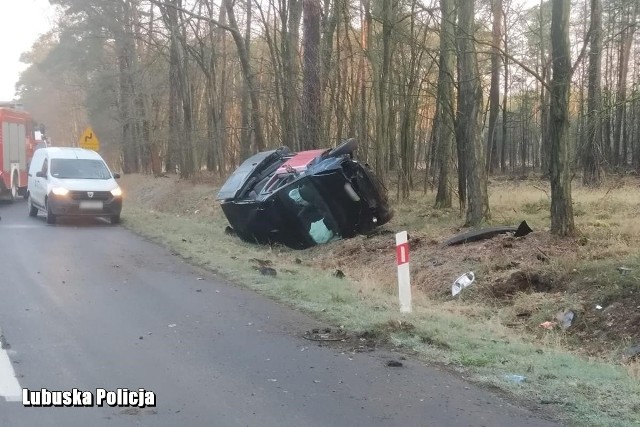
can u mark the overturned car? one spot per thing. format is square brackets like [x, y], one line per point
[304, 199]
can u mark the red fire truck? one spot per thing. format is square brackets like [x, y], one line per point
[16, 150]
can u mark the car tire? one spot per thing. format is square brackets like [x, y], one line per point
[115, 219]
[347, 147]
[51, 218]
[33, 211]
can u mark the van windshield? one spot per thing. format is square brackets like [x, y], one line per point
[79, 169]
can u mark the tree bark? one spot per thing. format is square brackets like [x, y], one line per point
[592, 160]
[494, 90]
[626, 40]
[247, 72]
[561, 208]
[311, 96]
[445, 126]
[468, 122]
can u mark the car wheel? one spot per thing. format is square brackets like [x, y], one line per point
[347, 147]
[51, 218]
[115, 219]
[33, 211]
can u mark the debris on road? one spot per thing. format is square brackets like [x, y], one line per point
[339, 274]
[394, 364]
[326, 334]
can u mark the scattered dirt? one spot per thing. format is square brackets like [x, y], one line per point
[505, 268]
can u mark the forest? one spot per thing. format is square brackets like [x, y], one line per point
[441, 95]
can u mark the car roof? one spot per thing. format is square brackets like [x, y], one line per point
[71, 153]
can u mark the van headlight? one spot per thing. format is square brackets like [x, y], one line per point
[116, 192]
[59, 191]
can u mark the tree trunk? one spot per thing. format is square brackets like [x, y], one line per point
[545, 144]
[626, 40]
[245, 101]
[561, 208]
[290, 13]
[445, 103]
[592, 160]
[311, 96]
[175, 123]
[125, 46]
[468, 122]
[494, 90]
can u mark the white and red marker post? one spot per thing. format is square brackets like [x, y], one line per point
[404, 281]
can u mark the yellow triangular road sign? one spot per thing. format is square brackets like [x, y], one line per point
[89, 140]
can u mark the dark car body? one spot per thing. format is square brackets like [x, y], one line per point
[303, 199]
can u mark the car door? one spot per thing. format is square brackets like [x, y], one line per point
[39, 190]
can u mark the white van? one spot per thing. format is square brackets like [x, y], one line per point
[74, 182]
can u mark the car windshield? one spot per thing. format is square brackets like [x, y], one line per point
[79, 169]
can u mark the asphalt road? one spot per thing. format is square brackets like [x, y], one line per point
[87, 305]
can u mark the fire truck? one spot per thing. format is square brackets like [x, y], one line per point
[17, 145]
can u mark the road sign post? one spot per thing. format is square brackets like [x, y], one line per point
[404, 282]
[89, 140]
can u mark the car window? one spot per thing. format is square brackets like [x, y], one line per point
[79, 169]
[310, 209]
[45, 166]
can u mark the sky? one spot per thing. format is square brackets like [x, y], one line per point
[21, 22]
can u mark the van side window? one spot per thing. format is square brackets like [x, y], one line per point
[45, 166]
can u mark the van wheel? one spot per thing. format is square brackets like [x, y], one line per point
[51, 218]
[115, 219]
[33, 211]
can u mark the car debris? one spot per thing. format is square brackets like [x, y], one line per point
[462, 282]
[325, 334]
[632, 353]
[623, 270]
[547, 325]
[565, 319]
[304, 199]
[518, 379]
[487, 233]
[267, 271]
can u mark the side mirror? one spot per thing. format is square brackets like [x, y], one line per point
[41, 174]
[116, 175]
